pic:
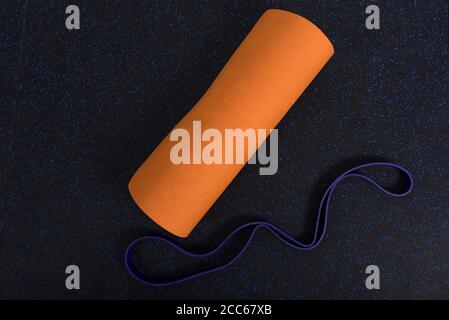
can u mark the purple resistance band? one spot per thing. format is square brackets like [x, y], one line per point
[254, 226]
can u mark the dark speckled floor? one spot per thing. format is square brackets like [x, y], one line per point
[80, 111]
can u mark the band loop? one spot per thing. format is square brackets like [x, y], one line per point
[318, 235]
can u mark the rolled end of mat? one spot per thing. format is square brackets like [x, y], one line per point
[267, 73]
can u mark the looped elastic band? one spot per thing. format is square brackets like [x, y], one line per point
[320, 230]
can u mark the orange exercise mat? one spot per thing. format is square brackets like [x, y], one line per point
[267, 73]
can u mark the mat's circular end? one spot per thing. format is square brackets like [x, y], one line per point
[140, 197]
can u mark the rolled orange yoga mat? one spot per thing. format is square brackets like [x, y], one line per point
[268, 72]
